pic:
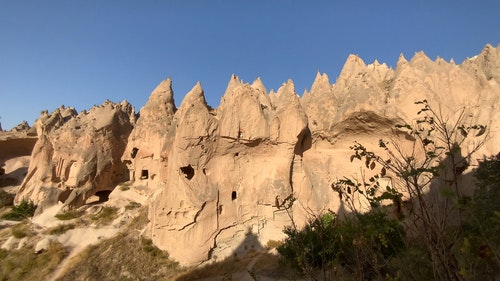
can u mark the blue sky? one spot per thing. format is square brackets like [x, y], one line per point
[80, 53]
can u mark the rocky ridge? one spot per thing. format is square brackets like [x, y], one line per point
[219, 180]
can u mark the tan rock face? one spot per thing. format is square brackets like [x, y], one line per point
[15, 148]
[77, 156]
[231, 170]
[227, 171]
[219, 179]
[143, 154]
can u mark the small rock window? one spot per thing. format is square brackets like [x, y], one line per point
[233, 195]
[144, 174]
[188, 171]
[134, 152]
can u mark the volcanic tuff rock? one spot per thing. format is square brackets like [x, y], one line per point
[77, 155]
[15, 148]
[144, 152]
[230, 174]
[219, 179]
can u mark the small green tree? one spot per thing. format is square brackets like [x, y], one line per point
[423, 181]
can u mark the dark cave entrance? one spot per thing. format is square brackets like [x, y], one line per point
[144, 174]
[188, 171]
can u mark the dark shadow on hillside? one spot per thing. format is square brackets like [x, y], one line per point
[13, 178]
[249, 259]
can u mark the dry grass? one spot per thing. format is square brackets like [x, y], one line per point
[21, 230]
[69, 214]
[127, 256]
[60, 229]
[105, 216]
[24, 264]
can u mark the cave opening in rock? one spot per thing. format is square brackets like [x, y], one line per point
[188, 171]
[144, 174]
[134, 152]
[103, 195]
[233, 195]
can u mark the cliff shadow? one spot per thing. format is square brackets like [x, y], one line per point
[250, 260]
[14, 177]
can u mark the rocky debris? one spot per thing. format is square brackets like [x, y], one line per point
[77, 155]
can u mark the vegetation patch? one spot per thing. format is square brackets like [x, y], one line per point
[20, 212]
[69, 214]
[105, 216]
[127, 256]
[24, 264]
[132, 205]
[20, 230]
[61, 229]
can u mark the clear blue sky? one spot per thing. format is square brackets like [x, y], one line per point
[82, 52]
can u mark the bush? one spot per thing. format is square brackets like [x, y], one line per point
[479, 247]
[20, 212]
[360, 243]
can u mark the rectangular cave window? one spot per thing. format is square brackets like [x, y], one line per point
[134, 152]
[144, 174]
[233, 195]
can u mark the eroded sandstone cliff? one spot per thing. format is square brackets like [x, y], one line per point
[77, 155]
[221, 181]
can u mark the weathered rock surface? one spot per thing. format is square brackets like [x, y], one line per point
[219, 180]
[16, 146]
[143, 154]
[230, 171]
[77, 155]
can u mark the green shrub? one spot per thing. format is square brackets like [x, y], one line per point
[22, 211]
[361, 243]
[479, 247]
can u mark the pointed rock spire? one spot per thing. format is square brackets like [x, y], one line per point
[258, 85]
[233, 83]
[321, 84]
[420, 57]
[196, 95]
[402, 61]
[160, 102]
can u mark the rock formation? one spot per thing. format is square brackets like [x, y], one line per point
[77, 155]
[230, 171]
[218, 177]
[152, 132]
[16, 146]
